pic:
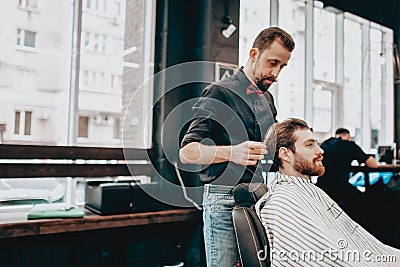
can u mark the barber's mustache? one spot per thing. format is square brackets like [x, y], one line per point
[268, 78]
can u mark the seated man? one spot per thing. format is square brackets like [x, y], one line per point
[305, 227]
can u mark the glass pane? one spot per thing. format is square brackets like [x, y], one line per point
[17, 122]
[114, 62]
[352, 86]
[28, 118]
[19, 37]
[83, 126]
[36, 82]
[35, 87]
[30, 38]
[377, 62]
[31, 3]
[138, 66]
[112, 52]
[254, 17]
[24, 191]
[324, 45]
[323, 110]
[289, 94]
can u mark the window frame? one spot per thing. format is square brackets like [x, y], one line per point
[146, 61]
[28, 4]
[21, 38]
[22, 123]
[387, 88]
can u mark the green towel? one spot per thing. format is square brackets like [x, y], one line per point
[49, 211]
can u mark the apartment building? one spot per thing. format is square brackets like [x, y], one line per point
[40, 92]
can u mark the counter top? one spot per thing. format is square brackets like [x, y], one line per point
[15, 224]
[395, 168]
[381, 168]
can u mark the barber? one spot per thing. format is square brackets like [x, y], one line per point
[226, 134]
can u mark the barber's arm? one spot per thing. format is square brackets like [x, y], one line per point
[371, 162]
[246, 153]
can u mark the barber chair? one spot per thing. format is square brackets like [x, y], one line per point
[251, 237]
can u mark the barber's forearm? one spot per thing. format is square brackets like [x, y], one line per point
[196, 153]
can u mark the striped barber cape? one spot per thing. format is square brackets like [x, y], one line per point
[305, 227]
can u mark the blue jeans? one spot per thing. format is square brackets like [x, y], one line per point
[219, 234]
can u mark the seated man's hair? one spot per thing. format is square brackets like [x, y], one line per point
[281, 134]
[342, 131]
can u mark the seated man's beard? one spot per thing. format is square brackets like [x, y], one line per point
[306, 167]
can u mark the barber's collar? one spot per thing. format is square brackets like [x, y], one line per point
[251, 88]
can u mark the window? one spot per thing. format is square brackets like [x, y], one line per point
[46, 79]
[86, 41]
[26, 38]
[83, 126]
[105, 6]
[352, 83]
[101, 81]
[380, 58]
[324, 99]
[27, 3]
[376, 72]
[117, 8]
[115, 82]
[254, 16]
[99, 6]
[324, 45]
[367, 75]
[291, 87]
[85, 79]
[340, 70]
[28, 121]
[94, 42]
[117, 129]
[22, 122]
[17, 121]
[104, 43]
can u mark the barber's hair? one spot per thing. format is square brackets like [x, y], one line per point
[267, 36]
[342, 131]
[282, 134]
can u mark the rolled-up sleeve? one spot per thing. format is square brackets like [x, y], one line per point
[205, 116]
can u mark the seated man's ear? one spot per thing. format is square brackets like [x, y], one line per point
[284, 154]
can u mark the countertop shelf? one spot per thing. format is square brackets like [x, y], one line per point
[15, 224]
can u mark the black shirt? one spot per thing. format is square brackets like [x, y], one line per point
[226, 115]
[338, 155]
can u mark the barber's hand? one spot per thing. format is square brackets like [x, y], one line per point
[248, 153]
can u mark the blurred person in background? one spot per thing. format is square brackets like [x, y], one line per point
[340, 151]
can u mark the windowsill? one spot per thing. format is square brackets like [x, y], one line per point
[105, 91]
[6, 86]
[99, 13]
[29, 9]
[21, 137]
[15, 224]
[87, 141]
[26, 48]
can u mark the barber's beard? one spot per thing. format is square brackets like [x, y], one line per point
[306, 167]
[261, 85]
[260, 81]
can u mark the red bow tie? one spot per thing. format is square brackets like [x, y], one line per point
[251, 89]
